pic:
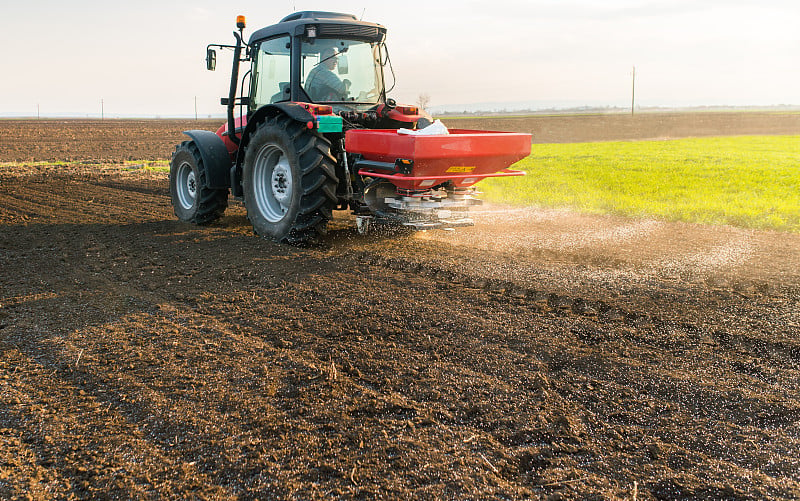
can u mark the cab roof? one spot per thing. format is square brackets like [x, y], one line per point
[329, 25]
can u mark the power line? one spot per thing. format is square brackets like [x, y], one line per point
[633, 88]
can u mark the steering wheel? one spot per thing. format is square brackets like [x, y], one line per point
[368, 95]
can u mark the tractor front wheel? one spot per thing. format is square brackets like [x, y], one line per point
[192, 200]
[289, 181]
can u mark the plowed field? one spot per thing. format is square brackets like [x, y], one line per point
[540, 354]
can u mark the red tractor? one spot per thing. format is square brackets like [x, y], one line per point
[316, 132]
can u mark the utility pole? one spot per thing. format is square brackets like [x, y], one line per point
[38, 116]
[102, 110]
[633, 89]
[195, 108]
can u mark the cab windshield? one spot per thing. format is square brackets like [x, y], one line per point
[342, 71]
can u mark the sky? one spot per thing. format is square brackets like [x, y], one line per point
[147, 58]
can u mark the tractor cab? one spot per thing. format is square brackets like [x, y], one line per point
[319, 57]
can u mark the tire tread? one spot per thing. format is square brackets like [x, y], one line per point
[317, 184]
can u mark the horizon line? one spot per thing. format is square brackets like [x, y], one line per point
[517, 111]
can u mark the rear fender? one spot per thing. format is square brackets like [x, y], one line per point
[216, 161]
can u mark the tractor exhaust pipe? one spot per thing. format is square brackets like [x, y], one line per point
[237, 52]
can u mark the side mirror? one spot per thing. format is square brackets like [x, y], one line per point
[343, 67]
[211, 59]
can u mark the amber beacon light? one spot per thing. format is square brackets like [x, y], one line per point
[240, 22]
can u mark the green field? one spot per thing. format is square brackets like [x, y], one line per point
[746, 181]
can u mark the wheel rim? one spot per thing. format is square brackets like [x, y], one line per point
[272, 183]
[186, 185]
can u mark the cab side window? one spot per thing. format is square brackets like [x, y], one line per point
[272, 72]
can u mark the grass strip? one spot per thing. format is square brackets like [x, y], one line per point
[745, 181]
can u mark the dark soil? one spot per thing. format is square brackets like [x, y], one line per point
[539, 354]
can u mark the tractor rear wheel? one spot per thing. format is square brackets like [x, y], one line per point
[289, 181]
[192, 200]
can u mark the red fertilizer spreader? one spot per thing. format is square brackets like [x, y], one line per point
[426, 181]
